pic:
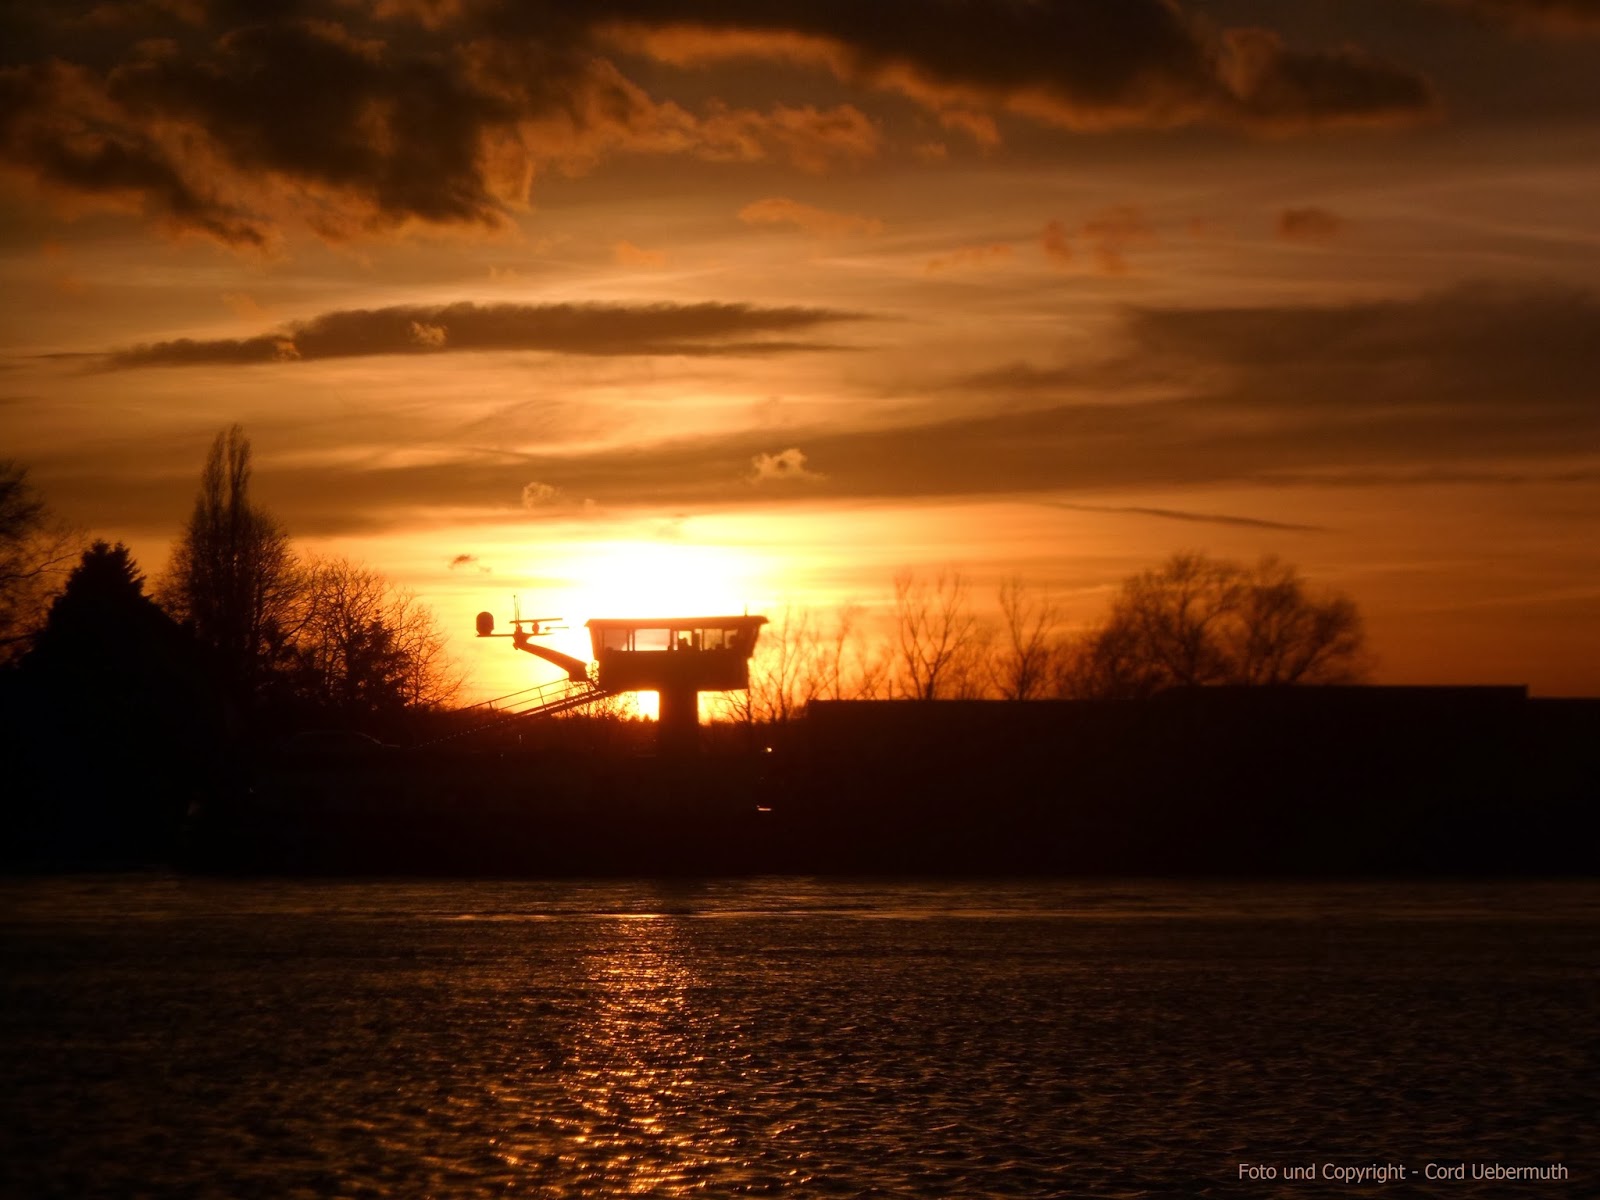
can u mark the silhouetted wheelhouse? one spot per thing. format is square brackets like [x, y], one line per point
[675, 657]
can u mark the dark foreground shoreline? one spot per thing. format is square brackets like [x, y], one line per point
[1256, 783]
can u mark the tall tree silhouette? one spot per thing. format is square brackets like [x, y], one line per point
[233, 576]
[121, 726]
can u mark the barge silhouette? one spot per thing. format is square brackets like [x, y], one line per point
[1452, 781]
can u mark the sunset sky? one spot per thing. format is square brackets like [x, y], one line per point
[631, 307]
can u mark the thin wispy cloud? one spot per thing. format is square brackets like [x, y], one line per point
[1174, 514]
[1309, 224]
[819, 222]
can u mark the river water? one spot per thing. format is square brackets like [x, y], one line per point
[172, 1037]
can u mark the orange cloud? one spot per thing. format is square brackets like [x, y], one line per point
[428, 336]
[691, 45]
[979, 127]
[540, 495]
[1113, 232]
[970, 256]
[813, 140]
[244, 306]
[1308, 225]
[819, 222]
[1109, 234]
[629, 255]
[1203, 228]
[1056, 243]
[786, 466]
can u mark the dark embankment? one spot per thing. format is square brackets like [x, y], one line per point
[1255, 781]
[1325, 781]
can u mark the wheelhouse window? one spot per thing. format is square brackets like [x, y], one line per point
[627, 638]
[652, 639]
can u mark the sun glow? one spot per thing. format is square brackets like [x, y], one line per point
[632, 578]
[618, 577]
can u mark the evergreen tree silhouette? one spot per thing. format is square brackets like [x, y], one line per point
[118, 727]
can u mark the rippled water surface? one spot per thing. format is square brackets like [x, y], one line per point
[796, 1037]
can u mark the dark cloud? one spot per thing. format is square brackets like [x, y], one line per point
[310, 102]
[1077, 64]
[272, 116]
[1437, 477]
[53, 128]
[1477, 384]
[1480, 383]
[1479, 378]
[1561, 16]
[595, 329]
[1522, 352]
[234, 119]
[1469, 379]
[1277, 89]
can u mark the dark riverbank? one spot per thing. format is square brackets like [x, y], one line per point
[1463, 782]
[1305, 782]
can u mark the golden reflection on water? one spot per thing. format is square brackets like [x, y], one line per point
[277, 1039]
[634, 1100]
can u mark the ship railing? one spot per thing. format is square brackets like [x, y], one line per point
[546, 699]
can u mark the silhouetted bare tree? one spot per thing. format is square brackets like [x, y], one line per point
[233, 575]
[804, 656]
[36, 552]
[936, 633]
[1024, 666]
[846, 664]
[1286, 635]
[1198, 620]
[364, 648]
[783, 671]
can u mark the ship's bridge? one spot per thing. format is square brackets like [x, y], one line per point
[675, 657]
[674, 654]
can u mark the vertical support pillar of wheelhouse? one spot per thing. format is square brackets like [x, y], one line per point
[678, 721]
